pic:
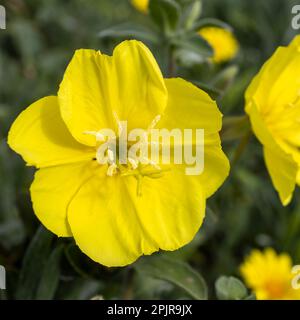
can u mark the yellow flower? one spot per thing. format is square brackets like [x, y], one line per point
[74, 195]
[141, 5]
[269, 275]
[273, 105]
[223, 42]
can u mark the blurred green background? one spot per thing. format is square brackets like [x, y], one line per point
[245, 213]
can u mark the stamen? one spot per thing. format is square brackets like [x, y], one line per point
[138, 166]
[147, 161]
[133, 163]
[155, 165]
[111, 156]
[112, 170]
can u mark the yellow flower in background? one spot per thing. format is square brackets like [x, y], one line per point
[223, 42]
[273, 105]
[269, 275]
[74, 195]
[141, 5]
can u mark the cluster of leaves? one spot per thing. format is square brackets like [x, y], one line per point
[40, 39]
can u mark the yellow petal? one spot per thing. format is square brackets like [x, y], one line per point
[259, 126]
[84, 94]
[141, 5]
[141, 88]
[283, 170]
[222, 41]
[286, 81]
[52, 191]
[281, 165]
[118, 226]
[40, 136]
[191, 108]
[269, 275]
[97, 89]
[298, 177]
[277, 83]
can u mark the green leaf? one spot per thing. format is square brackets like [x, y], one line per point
[50, 277]
[12, 231]
[192, 50]
[34, 261]
[165, 13]
[129, 31]
[230, 288]
[27, 37]
[211, 22]
[79, 289]
[176, 272]
[225, 78]
[192, 13]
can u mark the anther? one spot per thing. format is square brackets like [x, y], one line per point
[112, 170]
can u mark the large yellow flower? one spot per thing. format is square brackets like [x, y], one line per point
[270, 275]
[273, 105]
[98, 204]
[223, 42]
[141, 5]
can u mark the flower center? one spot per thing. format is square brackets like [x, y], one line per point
[275, 289]
[137, 164]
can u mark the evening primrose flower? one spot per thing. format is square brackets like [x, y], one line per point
[273, 105]
[269, 275]
[222, 41]
[141, 5]
[117, 212]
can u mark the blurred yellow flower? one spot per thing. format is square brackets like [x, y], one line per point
[273, 105]
[223, 42]
[74, 195]
[141, 5]
[269, 275]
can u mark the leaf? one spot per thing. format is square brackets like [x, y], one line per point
[128, 31]
[165, 13]
[225, 78]
[50, 277]
[192, 13]
[79, 289]
[196, 49]
[12, 231]
[176, 272]
[211, 22]
[27, 37]
[230, 288]
[34, 261]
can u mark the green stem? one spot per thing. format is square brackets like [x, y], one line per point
[235, 127]
[171, 63]
[128, 293]
[241, 147]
